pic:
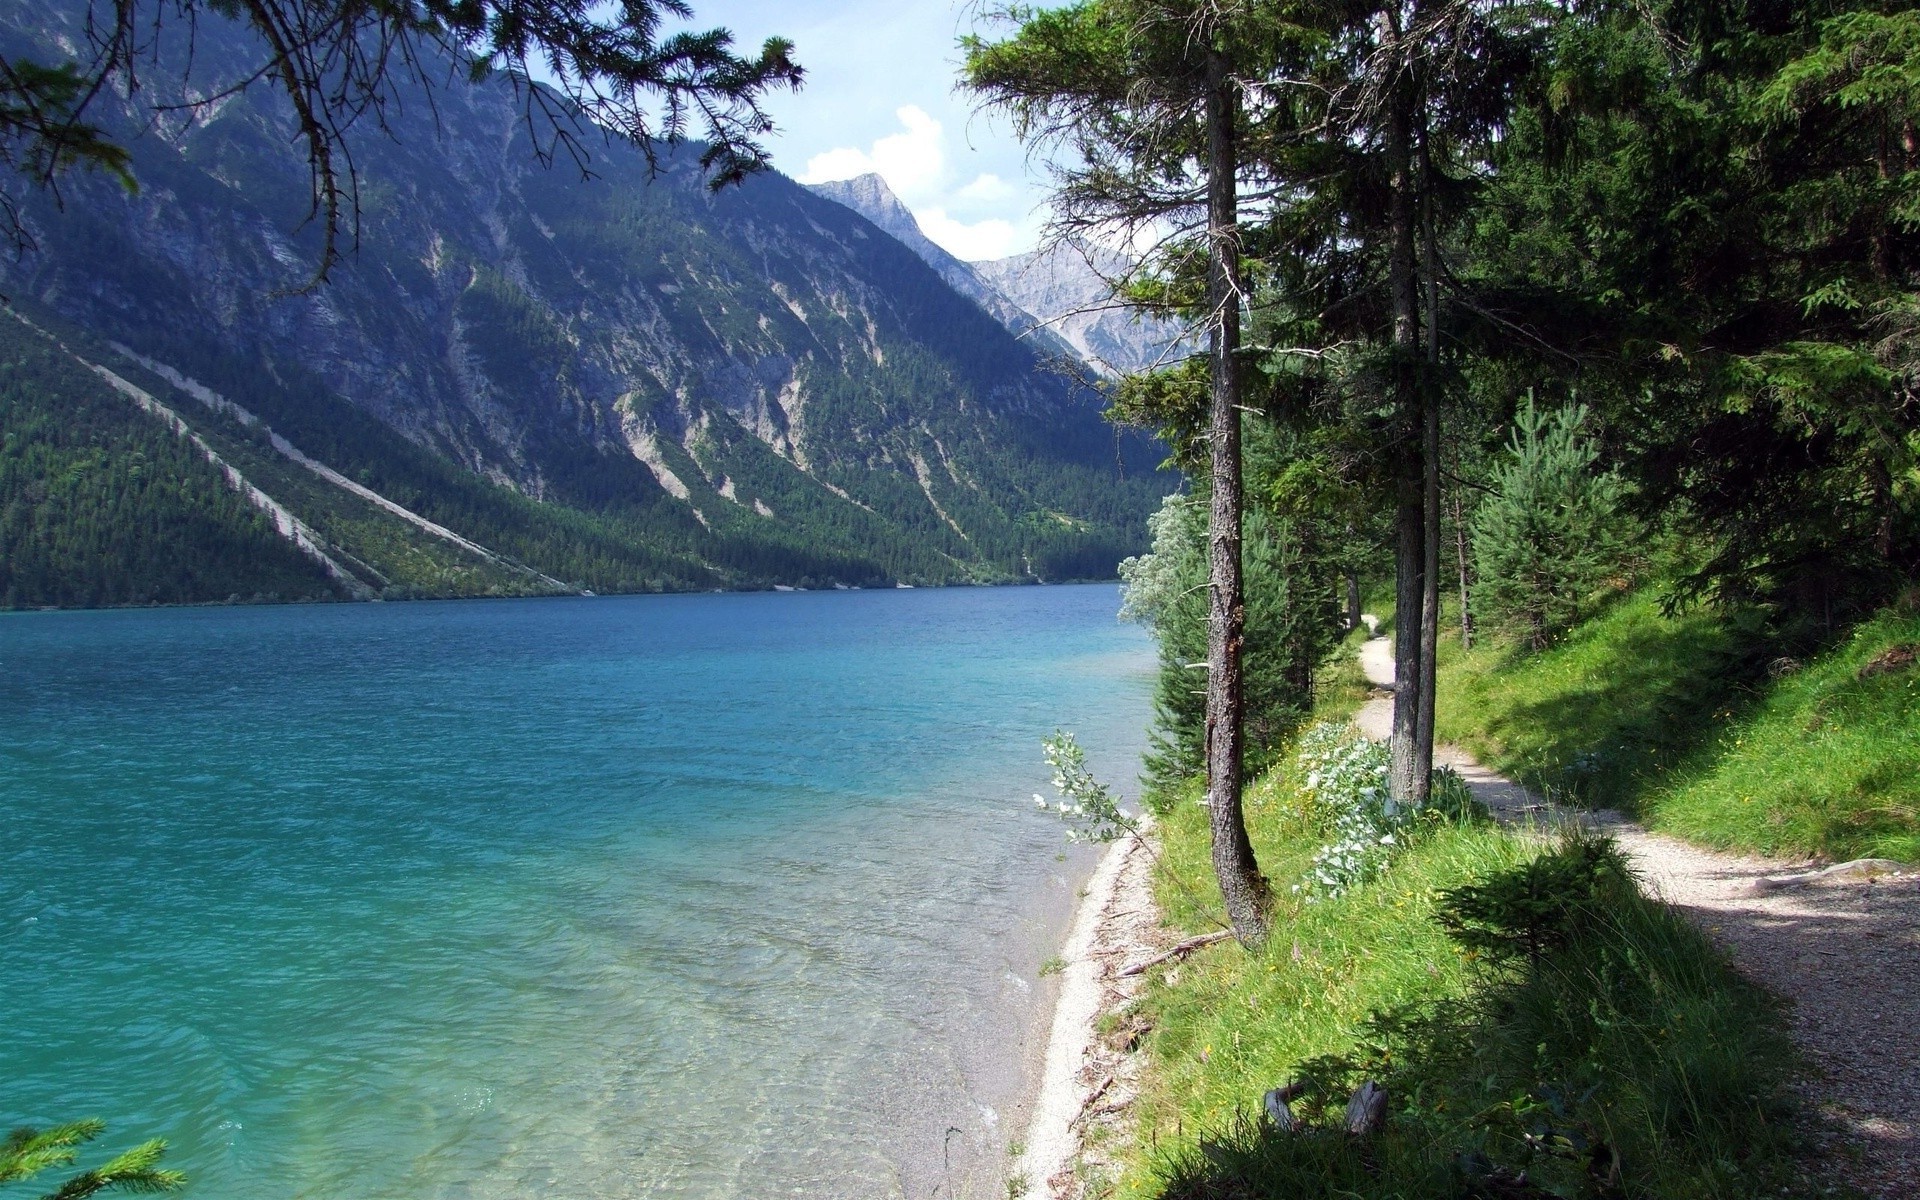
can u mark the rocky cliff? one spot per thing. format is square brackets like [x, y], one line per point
[739, 388]
[1068, 286]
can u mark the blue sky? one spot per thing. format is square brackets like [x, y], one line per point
[880, 97]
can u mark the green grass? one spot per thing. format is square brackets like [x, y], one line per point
[1691, 723]
[1632, 1034]
[1229, 1025]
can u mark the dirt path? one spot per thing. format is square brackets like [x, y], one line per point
[1844, 948]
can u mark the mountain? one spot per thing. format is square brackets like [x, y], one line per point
[1057, 298]
[1066, 286]
[870, 196]
[522, 380]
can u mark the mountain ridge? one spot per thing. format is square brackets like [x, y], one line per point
[1066, 284]
[1058, 296]
[759, 382]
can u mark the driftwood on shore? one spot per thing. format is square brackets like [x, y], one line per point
[1179, 951]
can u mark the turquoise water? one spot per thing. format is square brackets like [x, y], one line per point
[699, 896]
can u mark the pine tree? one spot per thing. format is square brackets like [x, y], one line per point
[1147, 98]
[1544, 539]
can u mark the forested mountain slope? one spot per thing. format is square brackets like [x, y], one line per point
[618, 382]
[101, 504]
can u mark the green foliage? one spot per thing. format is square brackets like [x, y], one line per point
[25, 1153]
[42, 132]
[1545, 538]
[1289, 623]
[1704, 724]
[1715, 246]
[1091, 811]
[1626, 1044]
[1342, 783]
[1537, 906]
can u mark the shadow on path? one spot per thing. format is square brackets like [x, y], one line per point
[1845, 950]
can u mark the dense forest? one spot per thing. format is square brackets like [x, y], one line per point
[101, 504]
[1576, 344]
[1542, 304]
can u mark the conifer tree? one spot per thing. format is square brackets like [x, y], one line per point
[1150, 100]
[1544, 539]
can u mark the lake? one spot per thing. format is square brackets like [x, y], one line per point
[694, 896]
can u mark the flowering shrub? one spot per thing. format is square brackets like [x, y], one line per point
[1089, 809]
[1343, 779]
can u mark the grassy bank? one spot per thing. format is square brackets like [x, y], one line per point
[1691, 723]
[1526, 1006]
[1553, 1022]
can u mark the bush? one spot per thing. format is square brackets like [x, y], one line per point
[1525, 912]
[1343, 780]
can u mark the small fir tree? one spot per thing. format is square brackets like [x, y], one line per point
[1544, 539]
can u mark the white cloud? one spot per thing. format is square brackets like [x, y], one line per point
[913, 161]
[843, 163]
[991, 238]
[986, 188]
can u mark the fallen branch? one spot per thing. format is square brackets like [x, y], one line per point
[1180, 951]
[1093, 1098]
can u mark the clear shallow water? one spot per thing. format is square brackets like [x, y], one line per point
[686, 896]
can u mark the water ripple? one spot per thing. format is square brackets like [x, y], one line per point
[689, 896]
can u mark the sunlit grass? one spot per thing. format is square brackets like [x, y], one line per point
[1665, 1054]
[1694, 725]
[1229, 1024]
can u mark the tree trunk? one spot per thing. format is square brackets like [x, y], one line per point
[1353, 600]
[1407, 783]
[1429, 599]
[1430, 496]
[1460, 549]
[1241, 885]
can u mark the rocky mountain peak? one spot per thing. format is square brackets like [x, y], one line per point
[1069, 285]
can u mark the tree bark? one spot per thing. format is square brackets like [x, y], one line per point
[1429, 598]
[1430, 496]
[1460, 550]
[1241, 885]
[1407, 783]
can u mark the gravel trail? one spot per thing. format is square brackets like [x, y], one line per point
[1843, 947]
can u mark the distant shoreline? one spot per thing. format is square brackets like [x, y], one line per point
[771, 589]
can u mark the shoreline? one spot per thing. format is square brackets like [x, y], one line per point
[1085, 1082]
[256, 601]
